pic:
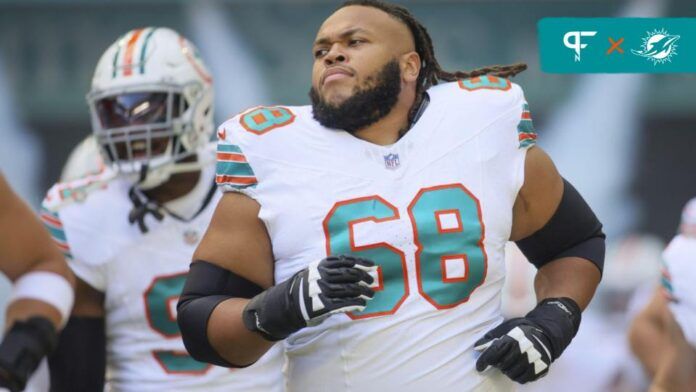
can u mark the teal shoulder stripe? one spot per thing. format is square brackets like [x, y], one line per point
[228, 148]
[234, 169]
[143, 51]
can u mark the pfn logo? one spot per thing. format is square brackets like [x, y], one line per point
[576, 43]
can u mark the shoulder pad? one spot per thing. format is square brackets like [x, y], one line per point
[77, 191]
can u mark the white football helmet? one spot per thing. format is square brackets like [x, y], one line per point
[152, 105]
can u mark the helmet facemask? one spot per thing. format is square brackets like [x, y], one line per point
[145, 132]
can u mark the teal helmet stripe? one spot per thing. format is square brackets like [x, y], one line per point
[118, 52]
[143, 51]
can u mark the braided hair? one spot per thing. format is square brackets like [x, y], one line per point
[431, 72]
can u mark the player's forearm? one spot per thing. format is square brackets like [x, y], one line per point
[571, 277]
[24, 308]
[677, 371]
[648, 342]
[230, 338]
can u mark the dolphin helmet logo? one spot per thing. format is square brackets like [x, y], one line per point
[659, 47]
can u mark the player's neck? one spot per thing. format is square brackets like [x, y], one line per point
[391, 127]
[178, 185]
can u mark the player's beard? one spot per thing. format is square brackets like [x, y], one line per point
[368, 104]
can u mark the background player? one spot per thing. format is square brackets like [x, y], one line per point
[43, 290]
[427, 185]
[130, 229]
[663, 335]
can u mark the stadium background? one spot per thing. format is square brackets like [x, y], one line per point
[626, 141]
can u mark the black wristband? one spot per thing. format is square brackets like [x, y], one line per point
[272, 314]
[560, 320]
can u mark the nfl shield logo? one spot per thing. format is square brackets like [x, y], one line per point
[191, 237]
[391, 161]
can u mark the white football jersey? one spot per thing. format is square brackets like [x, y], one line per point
[142, 276]
[433, 210]
[679, 274]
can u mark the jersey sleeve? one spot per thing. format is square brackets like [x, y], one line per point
[678, 276]
[507, 131]
[76, 241]
[233, 170]
[525, 136]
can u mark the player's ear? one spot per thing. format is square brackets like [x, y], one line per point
[410, 64]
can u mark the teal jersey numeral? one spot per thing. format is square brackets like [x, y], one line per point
[338, 227]
[448, 232]
[160, 298]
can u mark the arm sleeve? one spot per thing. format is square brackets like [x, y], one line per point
[79, 361]
[504, 142]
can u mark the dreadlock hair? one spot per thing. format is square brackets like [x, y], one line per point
[431, 72]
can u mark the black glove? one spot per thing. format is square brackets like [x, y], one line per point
[524, 347]
[23, 348]
[336, 284]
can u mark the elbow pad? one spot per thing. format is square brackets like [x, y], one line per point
[206, 286]
[572, 231]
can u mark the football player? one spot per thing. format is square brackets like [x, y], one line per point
[370, 226]
[663, 334]
[42, 295]
[130, 229]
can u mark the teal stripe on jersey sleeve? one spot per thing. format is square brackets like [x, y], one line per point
[52, 222]
[228, 148]
[525, 129]
[234, 169]
[525, 126]
[57, 234]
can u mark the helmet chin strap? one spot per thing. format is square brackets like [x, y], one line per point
[142, 205]
[159, 175]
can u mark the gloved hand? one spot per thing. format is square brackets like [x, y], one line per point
[336, 284]
[22, 349]
[523, 348]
